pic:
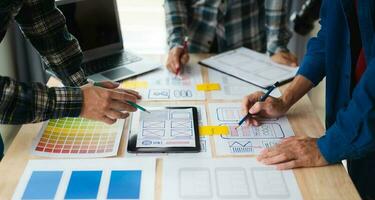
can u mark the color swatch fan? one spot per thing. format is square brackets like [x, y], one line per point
[78, 138]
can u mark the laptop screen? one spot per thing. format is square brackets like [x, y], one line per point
[94, 23]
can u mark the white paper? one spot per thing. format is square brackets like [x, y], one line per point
[246, 140]
[146, 165]
[251, 66]
[84, 139]
[165, 86]
[205, 141]
[233, 88]
[228, 178]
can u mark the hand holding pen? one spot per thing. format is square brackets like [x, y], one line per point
[178, 57]
[106, 103]
[130, 102]
[185, 51]
[262, 105]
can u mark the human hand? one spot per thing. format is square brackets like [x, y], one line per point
[107, 103]
[293, 152]
[285, 58]
[177, 58]
[270, 108]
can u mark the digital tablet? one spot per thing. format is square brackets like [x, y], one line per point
[165, 130]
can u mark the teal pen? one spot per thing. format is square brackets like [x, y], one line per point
[129, 102]
[261, 99]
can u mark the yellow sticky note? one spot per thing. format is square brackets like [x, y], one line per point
[208, 87]
[213, 130]
[135, 84]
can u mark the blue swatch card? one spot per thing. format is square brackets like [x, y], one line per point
[42, 185]
[125, 184]
[83, 185]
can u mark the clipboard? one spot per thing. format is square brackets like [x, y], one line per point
[250, 66]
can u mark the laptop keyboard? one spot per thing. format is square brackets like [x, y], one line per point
[110, 62]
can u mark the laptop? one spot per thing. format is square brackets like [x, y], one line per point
[96, 25]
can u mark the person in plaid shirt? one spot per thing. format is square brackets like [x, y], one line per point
[215, 26]
[44, 25]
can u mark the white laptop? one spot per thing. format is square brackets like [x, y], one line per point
[96, 25]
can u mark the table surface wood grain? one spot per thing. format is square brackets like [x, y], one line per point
[329, 182]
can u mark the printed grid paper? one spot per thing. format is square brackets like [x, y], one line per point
[245, 140]
[165, 86]
[233, 88]
[226, 179]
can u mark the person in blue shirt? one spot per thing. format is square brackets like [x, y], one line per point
[344, 53]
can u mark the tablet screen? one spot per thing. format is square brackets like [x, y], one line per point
[165, 128]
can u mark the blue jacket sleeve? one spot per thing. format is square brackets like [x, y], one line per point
[313, 63]
[353, 133]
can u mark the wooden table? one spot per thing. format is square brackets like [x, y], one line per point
[330, 182]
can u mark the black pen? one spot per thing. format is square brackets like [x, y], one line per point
[261, 99]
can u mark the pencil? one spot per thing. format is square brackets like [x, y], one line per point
[138, 106]
[261, 99]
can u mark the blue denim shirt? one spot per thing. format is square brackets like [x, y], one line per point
[350, 115]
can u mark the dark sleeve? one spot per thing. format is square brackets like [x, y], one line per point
[176, 21]
[34, 102]
[278, 33]
[44, 25]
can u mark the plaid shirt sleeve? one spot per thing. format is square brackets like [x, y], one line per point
[176, 21]
[44, 25]
[25, 103]
[278, 33]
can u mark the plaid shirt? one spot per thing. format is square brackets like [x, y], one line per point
[261, 25]
[44, 25]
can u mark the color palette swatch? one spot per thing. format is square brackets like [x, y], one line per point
[78, 138]
[46, 182]
[83, 185]
[88, 179]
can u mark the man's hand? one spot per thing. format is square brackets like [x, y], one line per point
[293, 152]
[107, 103]
[271, 107]
[177, 58]
[285, 58]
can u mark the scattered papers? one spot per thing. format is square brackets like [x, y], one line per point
[250, 66]
[229, 178]
[245, 140]
[165, 86]
[233, 88]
